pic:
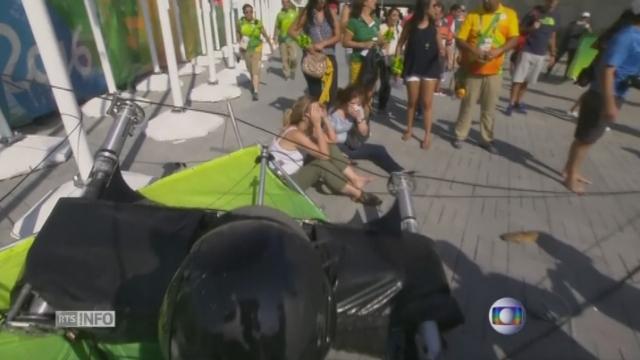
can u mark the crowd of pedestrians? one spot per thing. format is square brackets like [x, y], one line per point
[327, 130]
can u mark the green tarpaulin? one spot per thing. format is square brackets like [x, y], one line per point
[224, 183]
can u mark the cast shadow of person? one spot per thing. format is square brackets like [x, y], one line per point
[477, 290]
[632, 151]
[508, 151]
[282, 103]
[397, 108]
[614, 298]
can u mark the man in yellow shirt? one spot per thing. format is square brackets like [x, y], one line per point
[485, 36]
[285, 18]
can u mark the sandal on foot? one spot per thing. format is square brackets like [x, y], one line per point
[368, 199]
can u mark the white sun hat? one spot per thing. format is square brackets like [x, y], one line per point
[586, 14]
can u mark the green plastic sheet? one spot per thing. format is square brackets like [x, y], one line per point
[584, 56]
[227, 183]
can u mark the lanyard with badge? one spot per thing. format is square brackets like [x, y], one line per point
[485, 41]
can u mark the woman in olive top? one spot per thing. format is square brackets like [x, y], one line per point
[362, 34]
[322, 26]
[251, 31]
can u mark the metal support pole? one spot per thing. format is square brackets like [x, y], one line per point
[176, 17]
[5, 129]
[56, 69]
[234, 23]
[216, 33]
[172, 63]
[290, 181]
[92, 13]
[234, 123]
[127, 114]
[427, 339]
[264, 158]
[199, 7]
[19, 301]
[7, 136]
[227, 10]
[206, 7]
[144, 5]
[402, 187]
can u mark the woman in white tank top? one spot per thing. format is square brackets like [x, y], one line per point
[308, 131]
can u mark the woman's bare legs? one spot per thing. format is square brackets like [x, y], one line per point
[427, 88]
[413, 91]
[357, 180]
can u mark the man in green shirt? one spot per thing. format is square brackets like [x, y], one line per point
[285, 18]
[250, 32]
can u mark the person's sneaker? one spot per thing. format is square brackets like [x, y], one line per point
[255, 96]
[490, 148]
[573, 114]
[457, 144]
[509, 110]
[607, 129]
[520, 108]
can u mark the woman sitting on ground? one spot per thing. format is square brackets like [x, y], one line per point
[350, 121]
[308, 131]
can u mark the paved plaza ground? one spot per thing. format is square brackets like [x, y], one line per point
[580, 281]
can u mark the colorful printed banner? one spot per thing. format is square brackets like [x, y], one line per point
[24, 93]
[24, 90]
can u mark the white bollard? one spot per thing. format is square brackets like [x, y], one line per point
[150, 39]
[172, 64]
[206, 7]
[176, 18]
[56, 68]
[92, 13]
[216, 34]
[227, 9]
[203, 44]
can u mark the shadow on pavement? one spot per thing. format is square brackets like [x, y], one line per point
[632, 151]
[477, 291]
[509, 151]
